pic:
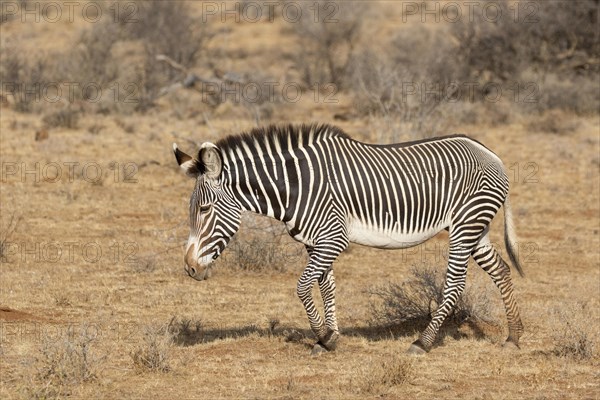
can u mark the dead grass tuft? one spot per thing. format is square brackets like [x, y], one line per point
[553, 121]
[409, 306]
[65, 118]
[154, 352]
[379, 376]
[186, 332]
[63, 364]
[146, 264]
[264, 245]
[325, 49]
[574, 334]
[6, 234]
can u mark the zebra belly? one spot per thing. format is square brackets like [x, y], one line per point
[368, 235]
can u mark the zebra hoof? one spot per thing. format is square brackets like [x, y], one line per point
[330, 340]
[318, 349]
[415, 349]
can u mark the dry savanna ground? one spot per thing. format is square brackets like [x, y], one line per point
[94, 301]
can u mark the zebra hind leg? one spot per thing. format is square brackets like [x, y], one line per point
[463, 239]
[488, 258]
[453, 287]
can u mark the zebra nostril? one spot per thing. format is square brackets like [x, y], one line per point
[189, 260]
[192, 271]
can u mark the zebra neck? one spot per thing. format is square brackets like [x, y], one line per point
[261, 184]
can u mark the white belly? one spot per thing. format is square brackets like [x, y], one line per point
[361, 233]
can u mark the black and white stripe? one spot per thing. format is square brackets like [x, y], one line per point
[330, 190]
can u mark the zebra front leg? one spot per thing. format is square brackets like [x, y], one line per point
[456, 276]
[304, 291]
[319, 269]
[327, 288]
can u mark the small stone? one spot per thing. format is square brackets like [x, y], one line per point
[415, 350]
[318, 350]
[510, 346]
[40, 135]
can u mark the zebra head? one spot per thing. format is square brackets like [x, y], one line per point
[214, 214]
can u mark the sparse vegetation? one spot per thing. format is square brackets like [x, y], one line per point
[186, 332]
[264, 246]
[154, 352]
[553, 122]
[6, 234]
[326, 45]
[410, 304]
[65, 362]
[379, 377]
[66, 118]
[414, 78]
[243, 333]
[575, 335]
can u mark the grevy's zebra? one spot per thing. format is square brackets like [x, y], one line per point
[331, 190]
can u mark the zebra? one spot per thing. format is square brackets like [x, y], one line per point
[331, 190]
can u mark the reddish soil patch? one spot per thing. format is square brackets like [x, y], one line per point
[8, 314]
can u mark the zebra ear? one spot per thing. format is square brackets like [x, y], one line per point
[188, 164]
[210, 155]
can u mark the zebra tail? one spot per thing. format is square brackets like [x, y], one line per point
[510, 237]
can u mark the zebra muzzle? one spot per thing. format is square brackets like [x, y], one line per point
[202, 275]
[198, 271]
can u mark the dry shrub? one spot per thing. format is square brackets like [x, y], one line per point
[185, 331]
[144, 264]
[551, 36]
[563, 37]
[117, 59]
[471, 113]
[91, 59]
[577, 94]
[23, 78]
[262, 245]
[486, 48]
[438, 64]
[64, 363]
[154, 351]
[243, 94]
[9, 12]
[326, 44]
[409, 305]
[257, 254]
[167, 28]
[552, 121]
[406, 90]
[5, 235]
[65, 118]
[378, 377]
[170, 28]
[575, 332]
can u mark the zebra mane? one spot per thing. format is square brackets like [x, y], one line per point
[297, 134]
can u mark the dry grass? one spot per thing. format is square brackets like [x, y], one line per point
[407, 307]
[5, 235]
[64, 363]
[378, 377]
[554, 122]
[264, 246]
[244, 333]
[66, 118]
[575, 334]
[245, 328]
[154, 352]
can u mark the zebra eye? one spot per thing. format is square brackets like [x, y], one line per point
[204, 208]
